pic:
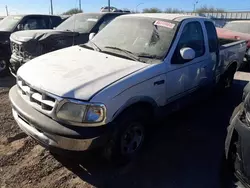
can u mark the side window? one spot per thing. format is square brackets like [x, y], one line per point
[192, 37]
[212, 36]
[106, 21]
[34, 23]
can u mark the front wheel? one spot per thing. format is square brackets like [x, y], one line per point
[129, 136]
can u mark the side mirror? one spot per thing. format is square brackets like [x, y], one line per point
[91, 36]
[187, 53]
[19, 27]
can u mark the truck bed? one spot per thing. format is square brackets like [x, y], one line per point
[226, 41]
[231, 51]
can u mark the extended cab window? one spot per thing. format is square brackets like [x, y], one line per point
[212, 36]
[192, 37]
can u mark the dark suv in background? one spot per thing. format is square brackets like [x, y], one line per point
[11, 24]
[27, 45]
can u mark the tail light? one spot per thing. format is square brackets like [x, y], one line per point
[237, 37]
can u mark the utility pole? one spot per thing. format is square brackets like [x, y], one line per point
[195, 3]
[51, 7]
[7, 13]
[109, 5]
[80, 5]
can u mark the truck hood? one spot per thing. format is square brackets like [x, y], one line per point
[76, 72]
[39, 35]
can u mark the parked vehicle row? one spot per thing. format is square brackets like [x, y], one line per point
[27, 45]
[11, 24]
[106, 93]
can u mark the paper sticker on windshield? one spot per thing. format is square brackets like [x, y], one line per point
[92, 20]
[164, 24]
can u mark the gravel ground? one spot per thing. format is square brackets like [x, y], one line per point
[184, 151]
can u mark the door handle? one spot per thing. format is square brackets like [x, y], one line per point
[159, 82]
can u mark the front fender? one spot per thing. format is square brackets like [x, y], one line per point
[136, 100]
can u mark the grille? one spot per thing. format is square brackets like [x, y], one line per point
[40, 100]
[17, 49]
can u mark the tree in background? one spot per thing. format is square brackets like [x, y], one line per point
[72, 11]
[205, 9]
[151, 10]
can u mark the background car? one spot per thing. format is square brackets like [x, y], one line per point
[27, 45]
[11, 24]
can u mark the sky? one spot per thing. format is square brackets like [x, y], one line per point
[42, 6]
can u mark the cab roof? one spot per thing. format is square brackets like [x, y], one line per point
[173, 17]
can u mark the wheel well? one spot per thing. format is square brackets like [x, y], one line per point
[233, 66]
[146, 106]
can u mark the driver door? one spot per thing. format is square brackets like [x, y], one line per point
[185, 76]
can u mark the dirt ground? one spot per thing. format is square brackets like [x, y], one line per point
[185, 151]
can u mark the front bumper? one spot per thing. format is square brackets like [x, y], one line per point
[52, 134]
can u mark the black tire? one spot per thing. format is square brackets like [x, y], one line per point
[115, 150]
[4, 68]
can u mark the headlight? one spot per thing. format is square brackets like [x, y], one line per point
[81, 112]
[71, 112]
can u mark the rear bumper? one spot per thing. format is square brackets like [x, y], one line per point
[52, 134]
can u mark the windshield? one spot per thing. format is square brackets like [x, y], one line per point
[81, 23]
[144, 37]
[9, 23]
[243, 27]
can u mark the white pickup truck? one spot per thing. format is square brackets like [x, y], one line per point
[107, 92]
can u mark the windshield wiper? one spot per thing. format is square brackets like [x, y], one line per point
[86, 46]
[96, 47]
[131, 54]
[149, 56]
